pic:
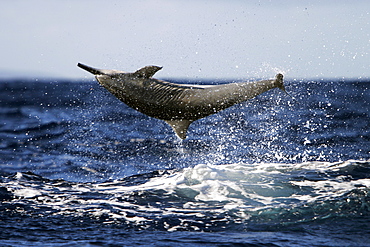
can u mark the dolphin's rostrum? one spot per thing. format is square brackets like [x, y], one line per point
[177, 104]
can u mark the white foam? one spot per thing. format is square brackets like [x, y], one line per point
[26, 192]
[236, 189]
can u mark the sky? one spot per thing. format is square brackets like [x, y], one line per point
[191, 39]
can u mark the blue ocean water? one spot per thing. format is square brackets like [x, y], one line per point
[80, 168]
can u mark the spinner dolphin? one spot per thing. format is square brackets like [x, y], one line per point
[177, 104]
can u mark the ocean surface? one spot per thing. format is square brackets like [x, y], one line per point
[80, 168]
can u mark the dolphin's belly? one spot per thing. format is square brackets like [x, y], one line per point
[170, 110]
[169, 101]
[190, 104]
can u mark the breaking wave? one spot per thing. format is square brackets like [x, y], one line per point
[201, 198]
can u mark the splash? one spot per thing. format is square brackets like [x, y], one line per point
[203, 198]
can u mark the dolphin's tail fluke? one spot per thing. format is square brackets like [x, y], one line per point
[90, 69]
[280, 81]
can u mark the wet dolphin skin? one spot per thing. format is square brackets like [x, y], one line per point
[177, 104]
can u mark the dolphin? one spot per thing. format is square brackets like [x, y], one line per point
[177, 104]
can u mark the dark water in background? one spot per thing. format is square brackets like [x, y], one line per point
[79, 168]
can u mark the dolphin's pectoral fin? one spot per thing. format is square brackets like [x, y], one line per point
[147, 71]
[180, 127]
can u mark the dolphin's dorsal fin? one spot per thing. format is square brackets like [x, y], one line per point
[180, 126]
[147, 71]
